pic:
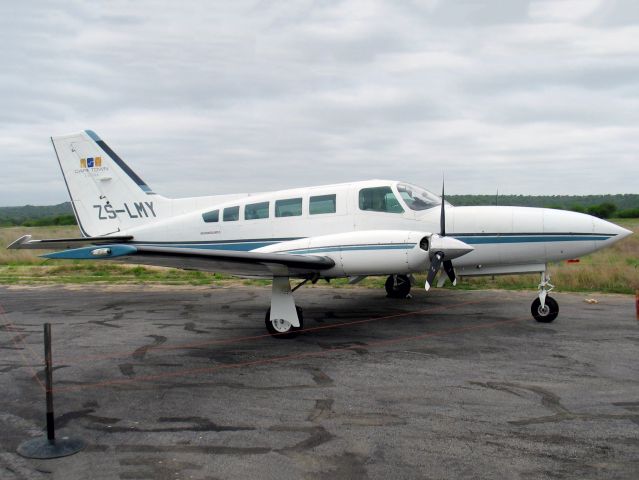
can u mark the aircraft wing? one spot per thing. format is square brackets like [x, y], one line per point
[234, 262]
[27, 242]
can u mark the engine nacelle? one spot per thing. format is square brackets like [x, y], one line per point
[370, 252]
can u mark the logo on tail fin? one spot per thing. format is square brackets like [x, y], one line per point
[91, 162]
[91, 166]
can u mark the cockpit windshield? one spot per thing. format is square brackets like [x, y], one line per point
[417, 198]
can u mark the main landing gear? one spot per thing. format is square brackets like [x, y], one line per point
[281, 328]
[284, 319]
[397, 286]
[545, 308]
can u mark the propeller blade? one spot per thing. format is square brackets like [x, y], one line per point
[435, 263]
[450, 271]
[442, 217]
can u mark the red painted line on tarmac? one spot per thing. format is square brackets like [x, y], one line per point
[11, 328]
[316, 353]
[266, 335]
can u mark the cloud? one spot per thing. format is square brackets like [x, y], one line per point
[529, 97]
[563, 10]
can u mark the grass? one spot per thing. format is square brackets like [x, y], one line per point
[612, 270]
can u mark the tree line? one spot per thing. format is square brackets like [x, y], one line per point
[605, 210]
[38, 222]
[602, 206]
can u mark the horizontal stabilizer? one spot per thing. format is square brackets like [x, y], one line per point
[93, 253]
[57, 243]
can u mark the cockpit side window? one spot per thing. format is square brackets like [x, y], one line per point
[417, 198]
[379, 199]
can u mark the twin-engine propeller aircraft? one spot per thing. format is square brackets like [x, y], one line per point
[375, 227]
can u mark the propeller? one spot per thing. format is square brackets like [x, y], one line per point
[442, 215]
[448, 265]
[435, 263]
[445, 249]
[450, 271]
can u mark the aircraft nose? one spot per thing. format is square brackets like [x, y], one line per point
[614, 231]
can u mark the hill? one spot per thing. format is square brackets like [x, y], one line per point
[35, 211]
[60, 214]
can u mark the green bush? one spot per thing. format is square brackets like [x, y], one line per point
[48, 221]
[628, 213]
[578, 208]
[603, 210]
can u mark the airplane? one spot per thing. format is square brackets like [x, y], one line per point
[352, 230]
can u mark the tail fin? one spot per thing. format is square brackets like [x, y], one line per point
[107, 196]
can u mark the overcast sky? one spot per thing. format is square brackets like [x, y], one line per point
[531, 97]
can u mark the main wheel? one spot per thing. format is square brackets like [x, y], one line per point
[281, 328]
[399, 288]
[546, 314]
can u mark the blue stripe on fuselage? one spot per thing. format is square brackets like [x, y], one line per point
[243, 245]
[235, 246]
[343, 248]
[482, 240]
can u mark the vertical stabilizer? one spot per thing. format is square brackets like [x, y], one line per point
[106, 194]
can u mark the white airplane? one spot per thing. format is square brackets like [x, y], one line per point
[374, 227]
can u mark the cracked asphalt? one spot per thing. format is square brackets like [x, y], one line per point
[182, 383]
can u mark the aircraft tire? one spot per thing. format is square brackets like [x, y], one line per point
[291, 332]
[401, 290]
[546, 314]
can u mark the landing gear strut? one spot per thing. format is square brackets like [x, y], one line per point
[284, 319]
[545, 308]
[397, 286]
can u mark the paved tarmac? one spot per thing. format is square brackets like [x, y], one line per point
[183, 383]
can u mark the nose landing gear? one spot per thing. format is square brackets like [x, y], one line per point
[545, 308]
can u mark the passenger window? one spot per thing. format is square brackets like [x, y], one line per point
[379, 199]
[231, 214]
[256, 210]
[211, 217]
[291, 207]
[322, 204]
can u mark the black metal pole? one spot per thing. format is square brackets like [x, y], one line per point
[49, 382]
[48, 447]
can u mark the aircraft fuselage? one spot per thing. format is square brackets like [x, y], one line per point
[505, 239]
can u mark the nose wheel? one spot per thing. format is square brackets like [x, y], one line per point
[546, 313]
[545, 309]
[397, 286]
